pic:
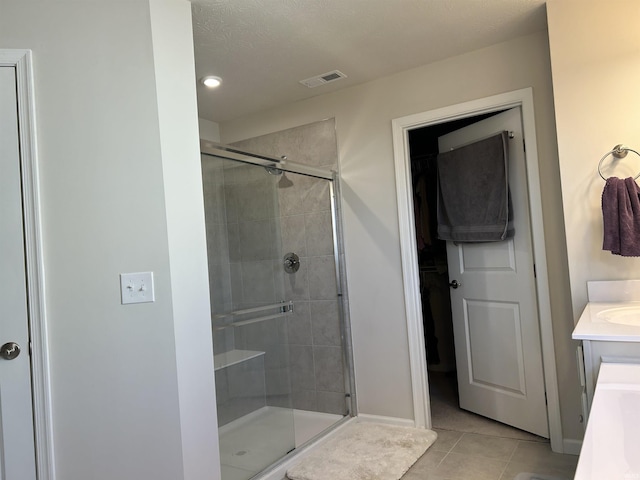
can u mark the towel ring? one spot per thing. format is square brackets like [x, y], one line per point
[619, 151]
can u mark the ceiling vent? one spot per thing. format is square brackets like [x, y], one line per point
[322, 79]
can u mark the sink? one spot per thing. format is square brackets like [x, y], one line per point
[621, 315]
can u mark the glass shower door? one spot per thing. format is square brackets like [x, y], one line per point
[249, 315]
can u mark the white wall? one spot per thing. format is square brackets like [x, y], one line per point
[363, 121]
[102, 106]
[595, 56]
[175, 87]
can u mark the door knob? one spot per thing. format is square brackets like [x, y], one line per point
[455, 284]
[9, 350]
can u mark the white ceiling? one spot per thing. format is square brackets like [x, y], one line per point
[262, 48]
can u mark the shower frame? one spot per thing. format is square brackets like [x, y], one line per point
[229, 152]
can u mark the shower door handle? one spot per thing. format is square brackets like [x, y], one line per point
[454, 284]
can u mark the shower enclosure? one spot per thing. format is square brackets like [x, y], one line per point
[280, 336]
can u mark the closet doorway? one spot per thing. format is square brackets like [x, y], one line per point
[478, 299]
[417, 253]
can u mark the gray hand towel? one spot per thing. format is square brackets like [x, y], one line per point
[473, 192]
[621, 217]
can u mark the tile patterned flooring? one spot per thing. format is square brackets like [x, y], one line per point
[461, 456]
[473, 447]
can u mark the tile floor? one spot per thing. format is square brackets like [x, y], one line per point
[462, 456]
[474, 447]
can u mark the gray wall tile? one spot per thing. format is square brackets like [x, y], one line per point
[317, 196]
[293, 235]
[263, 336]
[235, 270]
[319, 233]
[257, 282]
[302, 370]
[242, 389]
[325, 322]
[305, 400]
[332, 402]
[322, 278]
[312, 144]
[223, 339]
[230, 202]
[217, 244]
[328, 369]
[258, 240]
[219, 287]
[257, 201]
[299, 325]
[233, 241]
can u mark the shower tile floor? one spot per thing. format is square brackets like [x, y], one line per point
[251, 443]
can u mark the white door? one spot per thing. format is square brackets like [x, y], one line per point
[495, 316]
[17, 457]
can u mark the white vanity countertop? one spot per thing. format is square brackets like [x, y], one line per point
[590, 327]
[611, 446]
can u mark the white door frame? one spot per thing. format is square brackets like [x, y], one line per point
[22, 62]
[417, 357]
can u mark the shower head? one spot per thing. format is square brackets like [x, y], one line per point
[273, 171]
[285, 182]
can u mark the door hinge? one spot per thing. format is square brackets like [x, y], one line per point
[535, 274]
[524, 146]
[545, 398]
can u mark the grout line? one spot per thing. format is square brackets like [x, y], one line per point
[506, 465]
[514, 452]
[457, 442]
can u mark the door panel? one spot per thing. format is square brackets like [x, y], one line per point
[487, 257]
[493, 327]
[495, 317]
[17, 458]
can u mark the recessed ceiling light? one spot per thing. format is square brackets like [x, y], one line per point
[211, 81]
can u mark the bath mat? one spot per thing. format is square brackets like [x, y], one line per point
[365, 451]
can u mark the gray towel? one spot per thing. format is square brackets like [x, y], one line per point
[473, 192]
[621, 217]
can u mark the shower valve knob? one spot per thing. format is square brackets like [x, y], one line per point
[291, 263]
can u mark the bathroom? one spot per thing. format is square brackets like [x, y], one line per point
[370, 212]
[585, 90]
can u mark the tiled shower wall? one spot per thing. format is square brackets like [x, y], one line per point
[313, 330]
[241, 211]
[253, 219]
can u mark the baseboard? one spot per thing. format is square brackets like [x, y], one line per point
[571, 446]
[405, 422]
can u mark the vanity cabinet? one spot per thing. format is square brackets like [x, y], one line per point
[609, 329]
[596, 352]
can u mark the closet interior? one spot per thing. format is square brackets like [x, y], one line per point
[432, 259]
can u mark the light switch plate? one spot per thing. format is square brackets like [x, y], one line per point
[137, 287]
